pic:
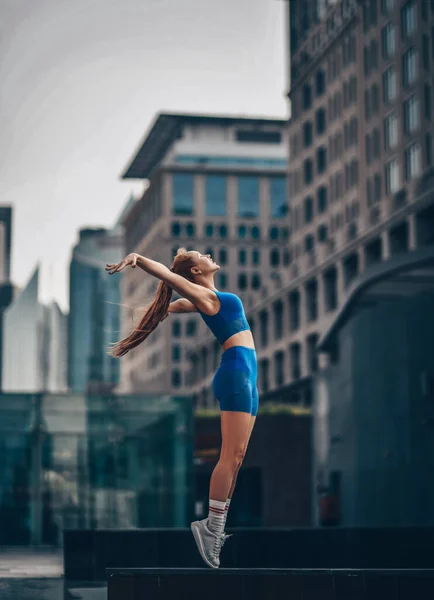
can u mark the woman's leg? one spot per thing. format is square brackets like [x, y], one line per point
[236, 428]
[249, 433]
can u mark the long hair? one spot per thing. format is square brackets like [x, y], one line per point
[158, 309]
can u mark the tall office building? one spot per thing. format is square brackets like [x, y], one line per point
[34, 343]
[216, 184]
[94, 299]
[6, 288]
[360, 176]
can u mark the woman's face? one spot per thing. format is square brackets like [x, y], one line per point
[206, 263]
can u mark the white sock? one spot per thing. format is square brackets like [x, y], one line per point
[216, 516]
[228, 503]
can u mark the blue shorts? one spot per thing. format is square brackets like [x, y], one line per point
[234, 384]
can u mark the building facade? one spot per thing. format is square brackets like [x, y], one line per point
[7, 290]
[34, 343]
[360, 176]
[374, 404]
[94, 317]
[217, 185]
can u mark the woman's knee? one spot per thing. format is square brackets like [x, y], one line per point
[232, 459]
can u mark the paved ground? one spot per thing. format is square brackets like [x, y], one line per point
[27, 574]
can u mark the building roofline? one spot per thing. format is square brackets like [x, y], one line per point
[166, 127]
[383, 271]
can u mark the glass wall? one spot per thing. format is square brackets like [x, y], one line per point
[248, 196]
[76, 461]
[215, 196]
[183, 193]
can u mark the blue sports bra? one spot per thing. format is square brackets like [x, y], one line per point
[230, 318]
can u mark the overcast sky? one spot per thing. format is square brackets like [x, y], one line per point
[80, 83]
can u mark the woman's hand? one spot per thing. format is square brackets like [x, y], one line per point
[130, 259]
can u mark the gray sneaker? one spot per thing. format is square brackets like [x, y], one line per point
[208, 543]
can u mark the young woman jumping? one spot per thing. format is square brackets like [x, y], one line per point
[234, 383]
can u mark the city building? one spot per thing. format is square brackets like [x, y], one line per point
[7, 290]
[374, 403]
[94, 310]
[34, 343]
[360, 174]
[216, 184]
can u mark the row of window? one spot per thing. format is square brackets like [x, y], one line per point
[277, 256]
[243, 232]
[216, 195]
[408, 14]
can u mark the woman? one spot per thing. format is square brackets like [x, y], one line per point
[234, 384]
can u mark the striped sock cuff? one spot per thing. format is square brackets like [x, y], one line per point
[216, 507]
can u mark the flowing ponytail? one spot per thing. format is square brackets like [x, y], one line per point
[157, 311]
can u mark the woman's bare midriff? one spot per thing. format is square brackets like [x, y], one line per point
[242, 338]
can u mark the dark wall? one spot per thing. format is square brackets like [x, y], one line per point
[274, 484]
[377, 433]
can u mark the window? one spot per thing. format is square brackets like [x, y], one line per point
[278, 197]
[321, 160]
[412, 161]
[176, 328]
[286, 256]
[389, 85]
[392, 176]
[320, 82]
[223, 231]
[322, 199]
[190, 229]
[295, 355]
[309, 243]
[388, 41]
[264, 374]
[308, 171]
[209, 230]
[223, 280]
[322, 233]
[242, 281]
[377, 187]
[294, 310]
[373, 12]
[375, 98]
[215, 195]
[263, 327]
[274, 257]
[242, 256]
[427, 99]
[308, 209]
[376, 143]
[312, 300]
[425, 52]
[408, 19]
[279, 368]
[409, 67]
[390, 131]
[256, 281]
[320, 118]
[183, 193]
[176, 378]
[259, 137]
[307, 134]
[274, 233]
[278, 319]
[255, 257]
[373, 50]
[223, 256]
[411, 115]
[176, 353]
[387, 6]
[191, 328]
[307, 96]
[428, 149]
[248, 196]
[242, 231]
[176, 229]
[255, 232]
